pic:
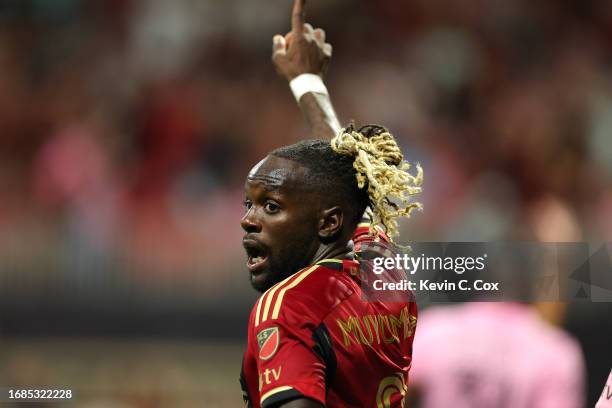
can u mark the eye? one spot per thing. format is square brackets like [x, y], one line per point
[247, 204]
[271, 207]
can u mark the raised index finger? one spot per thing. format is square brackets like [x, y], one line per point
[298, 16]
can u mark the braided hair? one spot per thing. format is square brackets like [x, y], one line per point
[361, 167]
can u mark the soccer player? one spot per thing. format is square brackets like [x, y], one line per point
[506, 354]
[503, 355]
[312, 340]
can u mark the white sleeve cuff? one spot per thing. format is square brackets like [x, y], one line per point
[305, 83]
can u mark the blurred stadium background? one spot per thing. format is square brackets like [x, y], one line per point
[127, 127]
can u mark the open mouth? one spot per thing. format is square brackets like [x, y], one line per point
[257, 255]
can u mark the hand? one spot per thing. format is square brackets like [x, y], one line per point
[303, 50]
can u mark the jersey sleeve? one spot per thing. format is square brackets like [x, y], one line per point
[287, 362]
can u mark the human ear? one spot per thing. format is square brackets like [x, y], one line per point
[330, 223]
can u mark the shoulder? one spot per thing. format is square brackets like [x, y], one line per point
[372, 243]
[365, 233]
[306, 297]
[558, 342]
[557, 357]
[437, 323]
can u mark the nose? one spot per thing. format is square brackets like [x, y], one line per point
[249, 222]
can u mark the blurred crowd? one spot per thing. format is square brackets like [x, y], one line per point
[128, 125]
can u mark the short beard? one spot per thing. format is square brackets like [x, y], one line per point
[277, 273]
[263, 287]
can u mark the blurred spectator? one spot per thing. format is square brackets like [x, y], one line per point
[504, 354]
[494, 355]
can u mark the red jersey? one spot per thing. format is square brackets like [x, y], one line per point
[312, 336]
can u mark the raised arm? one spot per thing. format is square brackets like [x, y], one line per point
[302, 57]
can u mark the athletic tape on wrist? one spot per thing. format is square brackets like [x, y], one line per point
[305, 83]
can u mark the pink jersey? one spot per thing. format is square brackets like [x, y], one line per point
[495, 355]
[605, 401]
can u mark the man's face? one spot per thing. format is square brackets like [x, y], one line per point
[281, 221]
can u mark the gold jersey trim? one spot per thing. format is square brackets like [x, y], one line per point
[329, 260]
[259, 302]
[274, 391]
[281, 294]
[268, 296]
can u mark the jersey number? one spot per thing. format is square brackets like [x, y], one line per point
[388, 387]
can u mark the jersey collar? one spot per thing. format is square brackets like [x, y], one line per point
[341, 265]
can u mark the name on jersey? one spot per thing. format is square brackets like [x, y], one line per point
[377, 329]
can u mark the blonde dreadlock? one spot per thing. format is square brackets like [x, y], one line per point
[380, 166]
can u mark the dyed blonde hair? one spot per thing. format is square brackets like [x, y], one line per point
[380, 167]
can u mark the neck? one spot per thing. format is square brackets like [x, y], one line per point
[344, 251]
